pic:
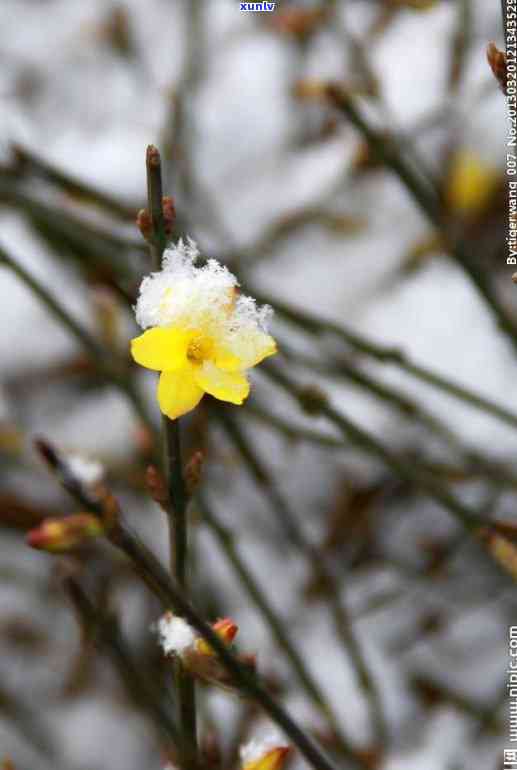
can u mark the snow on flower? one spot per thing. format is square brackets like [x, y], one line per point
[266, 753]
[175, 634]
[178, 638]
[199, 332]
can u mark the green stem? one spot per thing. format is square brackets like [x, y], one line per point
[154, 202]
[173, 467]
[178, 534]
[173, 596]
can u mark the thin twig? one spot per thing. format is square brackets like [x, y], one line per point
[384, 354]
[108, 638]
[225, 538]
[156, 577]
[297, 538]
[388, 152]
[110, 369]
[371, 445]
[291, 431]
[407, 407]
[89, 344]
[178, 530]
[28, 161]
[172, 595]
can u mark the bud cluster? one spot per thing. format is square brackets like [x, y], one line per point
[177, 638]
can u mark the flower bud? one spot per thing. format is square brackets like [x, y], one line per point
[179, 639]
[169, 214]
[497, 62]
[193, 471]
[502, 550]
[225, 629]
[266, 754]
[156, 486]
[145, 224]
[57, 535]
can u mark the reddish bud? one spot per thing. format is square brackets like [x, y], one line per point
[57, 535]
[155, 484]
[169, 214]
[193, 471]
[152, 156]
[145, 224]
[225, 629]
[497, 62]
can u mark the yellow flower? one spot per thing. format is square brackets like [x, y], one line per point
[471, 183]
[267, 753]
[272, 760]
[192, 363]
[203, 339]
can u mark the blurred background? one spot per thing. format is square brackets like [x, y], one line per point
[402, 318]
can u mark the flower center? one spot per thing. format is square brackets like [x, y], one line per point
[199, 350]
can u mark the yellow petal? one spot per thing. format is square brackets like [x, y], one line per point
[226, 386]
[248, 350]
[272, 760]
[161, 348]
[471, 183]
[178, 392]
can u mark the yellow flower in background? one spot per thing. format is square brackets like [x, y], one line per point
[268, 753]
[471, 183]
[203, 336]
